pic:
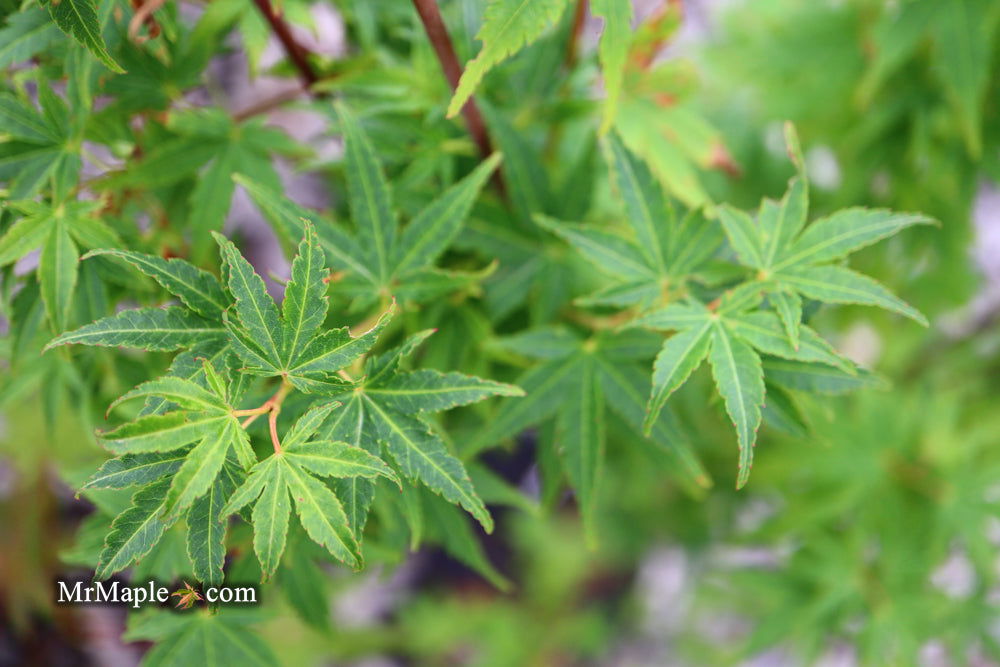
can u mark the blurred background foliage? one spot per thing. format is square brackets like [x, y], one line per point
[869, 531]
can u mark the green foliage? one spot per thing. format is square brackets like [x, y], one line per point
[583, 237]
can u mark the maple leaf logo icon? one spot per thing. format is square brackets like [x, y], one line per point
[188, 596]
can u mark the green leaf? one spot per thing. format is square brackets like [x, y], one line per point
[307, 425]
[270, 516]
[432, 391]
[202, 466]
[744, 235]
[740, 380]
[207, 531]
[580, 434]
[78, 19]
[764, 331]
[780, 223]
[254, 306]
[789, 308]
[431, 232]
[608, 251]
[422, 455]
[183, 392]
[645, 207]
[335, 349]
[212, 640]
[197, 289]
[368, 196]
[161, 433]
[321, 515]
[338, 459]
[963, 31]
[57, 271]
[507, 27]
[145, 328]
[289, 220]
[24, 236]
[836, 284]
[682, 353]
[304, 307]
[844, 232]
[26, 34]
[613, 51]
[135, 469]
[135, 531]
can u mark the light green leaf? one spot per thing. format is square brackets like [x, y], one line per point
[432, 391]
[24, 236]
[613, 51]
[145, 328]
[675, 316]
[422, 455]
[432, 230]
[338, 459]
[321, 514]
[161, 433]
[764, 331]
[789, 308]
[134, 469]
[508, 26]
[580, 437]
[270, 516]
[368, 195]
[202, 466]
[682, 353]
[740, 380]
[836, 284]
[606, 250]
[744, 235]
[197, 289]
[304, 307]
[135, 531]
[646, 209]
[184, 393]
[255, 307]
[57, 271]
[844, 232]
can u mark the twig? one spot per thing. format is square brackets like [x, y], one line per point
[437, 33]
[266, 105]
[579, 16]
[297, 53]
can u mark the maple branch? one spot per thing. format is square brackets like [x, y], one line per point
[572, 44]
[437, 33]
[298, 54]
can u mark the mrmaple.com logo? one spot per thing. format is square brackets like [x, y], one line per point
[115, 593]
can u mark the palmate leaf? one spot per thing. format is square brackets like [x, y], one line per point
[508, 26]
[578, 381]
[381, 258]
[212, 640]
[58, 230]
[204, 419]
[731, 336]
[791, 258]
[662, 253]
[26, 33]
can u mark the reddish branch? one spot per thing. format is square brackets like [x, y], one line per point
[298, 54]
[437, 32]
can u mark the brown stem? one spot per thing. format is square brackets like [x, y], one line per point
[437, 33]
[579, 15]
[272, 408]
[297, 53]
